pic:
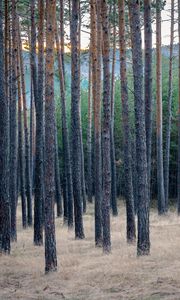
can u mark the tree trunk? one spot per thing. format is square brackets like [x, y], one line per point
[113, 159]
[96, 32]
[178, 185]
[66, 146]
[143, 244]
[28, 185]
[76, 122]
[160, 173]
[89, 131]
[57, 176]
[106, 130]
[39, 160]
[148, 84]
[50, 240]
[131, 230]
[21, 162]
[4, 153]
[13, 128]
[169, 114]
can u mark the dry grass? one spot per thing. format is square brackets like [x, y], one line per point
[85, 273]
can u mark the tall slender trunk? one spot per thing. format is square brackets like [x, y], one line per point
[131, 230]
[143, 243]
[76, 122]
[113, 159]
[21, 162]
[57, 176]
[178, 185]
[148, 84]
[65, 132]
[106, 130]
[96, 32]
[33, 51]
[39, 160]
[160, 173]
[50, 239]
[169, 113]
[4, 153]
[28, 185]
[61, 2]
[13, 128]
[89, 130]
[82, 147]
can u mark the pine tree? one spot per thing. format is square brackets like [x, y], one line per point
[49, 222]
[148, 83]
[4, 153]
[106, 130]
[131, 230]
[160, 174]
[169, 116]
[39, 160]
[76, 122]
[143, 243]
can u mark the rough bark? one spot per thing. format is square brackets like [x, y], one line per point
[13, 128]
[159, 137]
[106, 130]
[148, 83]
[39, 160]
[4, 153]
[21, 162]
[57, 177]
[131, 230]
[113, 159]
[50, 239]
[28, 185]
[89, 131]
[169, 113]
[65, 132]
[178, 184]
[143, 243]
[96, 32]
[76, 122]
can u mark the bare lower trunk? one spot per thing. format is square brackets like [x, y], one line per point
[131, 230]
[169, 114]
[143, 243]
[106, 130]
[160, 173]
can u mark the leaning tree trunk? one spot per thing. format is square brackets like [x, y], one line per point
[131, 230]
[66, 146]
[169, 114]
[39, 160]
[159, 137]
[143, 244]
[49, 222]
[148, 84]
[178, 185]
[28, 185]
[13, 128]
[113, 159]
[4, 153]
[76, 123]
[106, 130]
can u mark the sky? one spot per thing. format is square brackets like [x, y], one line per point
[165, 28]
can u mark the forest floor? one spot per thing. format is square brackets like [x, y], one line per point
[84, 273]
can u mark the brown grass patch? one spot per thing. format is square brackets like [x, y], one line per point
[84, 273]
